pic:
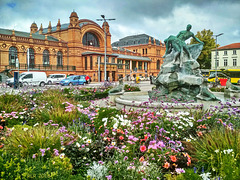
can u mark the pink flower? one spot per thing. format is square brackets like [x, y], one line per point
[143, 148]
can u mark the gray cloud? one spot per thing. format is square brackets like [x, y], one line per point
[158, 18]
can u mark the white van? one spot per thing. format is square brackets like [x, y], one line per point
[30, 78]
[55, 78]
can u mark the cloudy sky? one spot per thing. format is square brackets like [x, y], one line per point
[157, 18]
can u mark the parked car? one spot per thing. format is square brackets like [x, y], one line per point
[55, 78]
[73, 80]
[29, 78]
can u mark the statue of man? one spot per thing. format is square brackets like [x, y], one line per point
[178, 42]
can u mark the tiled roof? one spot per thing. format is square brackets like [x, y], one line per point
[135, 40]
[231, 46]
[63, 27]
[27, 35]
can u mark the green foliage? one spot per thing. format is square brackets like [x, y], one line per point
[11, 102]
[13, 167]
[221, 148]
[130, 88]
[26, 141]
[217, 89]
[209, 44]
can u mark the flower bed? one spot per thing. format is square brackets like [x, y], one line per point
[52, 135]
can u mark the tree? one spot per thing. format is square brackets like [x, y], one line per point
[204, 58]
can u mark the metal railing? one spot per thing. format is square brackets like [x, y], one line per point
[44, 67]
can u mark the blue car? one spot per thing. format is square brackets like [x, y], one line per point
[73, 80]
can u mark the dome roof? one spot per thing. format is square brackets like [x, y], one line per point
[74, 14]
[34, 25]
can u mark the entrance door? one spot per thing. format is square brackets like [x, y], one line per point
[113, 75]
[108, 78]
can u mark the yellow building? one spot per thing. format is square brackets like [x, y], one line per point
[76, 47]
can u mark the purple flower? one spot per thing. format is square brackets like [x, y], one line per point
[42, 151]
[56, 152]
[100, 162]
[109, 177]
[116, 162]
[125, 158]
[34, 156]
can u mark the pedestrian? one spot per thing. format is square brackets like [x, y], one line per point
[87, 78]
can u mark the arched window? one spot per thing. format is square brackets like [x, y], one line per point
[46, 58]
[59, 58]
[158, 64]
[31, 58]
[12, 55]
[90, 39]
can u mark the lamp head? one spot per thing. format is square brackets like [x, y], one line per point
[103, 16]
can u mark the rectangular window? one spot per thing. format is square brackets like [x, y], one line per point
[234, 52]
[107, 59]
[113, 60]
[225, 62]
[120, 62]
[217, 63]
[134, 65]
[145, 66]
[234, 62]
[91, 62]
[146, 51]
[140, 65]
[85, 63]
[225, 52]
[142, 51]
[127, 64]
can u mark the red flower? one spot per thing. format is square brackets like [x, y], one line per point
[1, 127]
[121, 137]
[173, 158]
[143, 148]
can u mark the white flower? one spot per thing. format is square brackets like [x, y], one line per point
[228, 151]
[206, 176]
[113, 143]
[62, 155]
[115, 126]
[77, 144]
[62, 148]
[25, 129]
[36, 124]
[216, 151]
[89, 141]
[105, 121]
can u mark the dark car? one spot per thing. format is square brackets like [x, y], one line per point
[73, 80]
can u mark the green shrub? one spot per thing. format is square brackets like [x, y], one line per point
[13, 167]
[218, 151]
[130, 88]
[27, 141]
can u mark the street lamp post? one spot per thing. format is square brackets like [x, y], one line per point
[216, 52]
[105, 44]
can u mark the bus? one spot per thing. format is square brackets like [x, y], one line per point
[223, 75]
